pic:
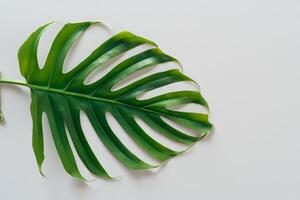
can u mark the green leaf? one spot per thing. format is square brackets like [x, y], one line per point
[62, 96]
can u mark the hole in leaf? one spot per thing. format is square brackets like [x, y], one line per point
[144, 73]
[160, 137]
[46, 41]
[81, 167]
[103, 155]
[173, 87]
[128, 141]
[181, 128]
[99, 72]
[52, 165]
[85, 45]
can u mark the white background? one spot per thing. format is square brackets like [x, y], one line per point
[245, 56]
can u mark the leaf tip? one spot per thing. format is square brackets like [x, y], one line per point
[41, 170]
[207, 133]
[42, 174]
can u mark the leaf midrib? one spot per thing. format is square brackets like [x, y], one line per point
[89, 97]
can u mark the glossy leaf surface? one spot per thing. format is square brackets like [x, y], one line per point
[62, 96]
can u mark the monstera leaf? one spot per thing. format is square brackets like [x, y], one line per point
[62, 96]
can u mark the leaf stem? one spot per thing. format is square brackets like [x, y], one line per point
[14, 82]
[6, 81]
